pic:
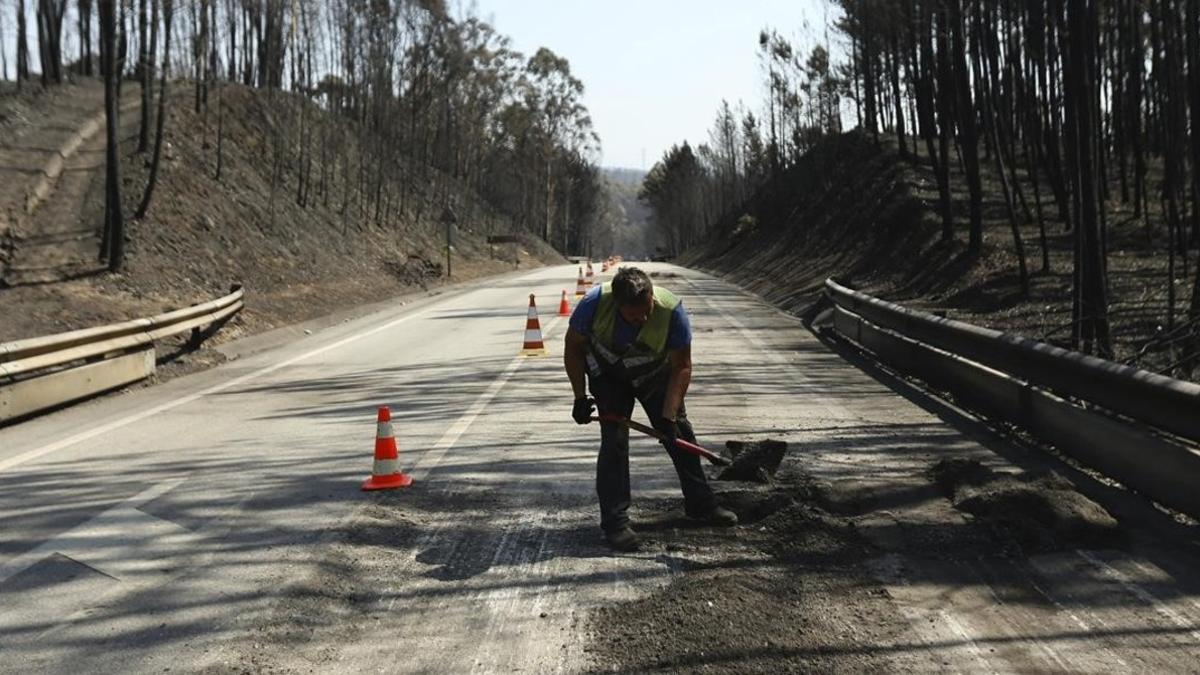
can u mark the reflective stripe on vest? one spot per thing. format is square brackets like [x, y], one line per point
[646, 356]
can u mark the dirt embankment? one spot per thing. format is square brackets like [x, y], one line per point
[296, 261]
[862, 214]
[844, 209]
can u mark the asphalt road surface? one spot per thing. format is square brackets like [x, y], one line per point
[215, 522]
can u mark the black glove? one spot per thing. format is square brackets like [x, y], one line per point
[582, 412]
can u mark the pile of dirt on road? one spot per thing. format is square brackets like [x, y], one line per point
[772, 595]
[796, 586]
[755, 461]
[1034, 512]
[298, 256]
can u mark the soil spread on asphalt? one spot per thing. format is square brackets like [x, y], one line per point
[792, 587]
[770, 595]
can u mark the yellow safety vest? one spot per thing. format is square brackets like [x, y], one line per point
[646, 357]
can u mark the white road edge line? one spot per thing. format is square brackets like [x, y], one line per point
[430, 459]
[1085, 626]
[1142, 594]
[72, 540]
[35, 453]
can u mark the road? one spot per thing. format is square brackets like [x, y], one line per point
[214, 522]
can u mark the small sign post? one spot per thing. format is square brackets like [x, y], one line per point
[449, 218]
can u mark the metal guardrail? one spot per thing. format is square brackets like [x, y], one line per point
[1163, 402]
[1032, 385]
[42, 372]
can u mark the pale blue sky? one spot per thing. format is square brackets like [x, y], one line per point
[656, 70]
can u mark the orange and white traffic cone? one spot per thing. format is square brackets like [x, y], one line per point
[604, 267]
[533, 332]
[591, 276]
[580, 286]
[564, 307]
[386, 475]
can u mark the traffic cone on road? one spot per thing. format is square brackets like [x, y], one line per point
[591, 276]
[580, 286]
[564, 307]
[604, 267]
[386, 475]
[533, 332]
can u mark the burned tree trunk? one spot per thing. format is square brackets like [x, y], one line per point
[146, 70]
[114, 221]
[1091, 287]
[85, 37]
[168, 11]
[22, 45]
[968, 132]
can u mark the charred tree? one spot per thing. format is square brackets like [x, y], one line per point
[85, 37]
[114, 221]
[968, 132]
[145, 70]
[22, 45]
[1091, 286]
[49, 26]
[168, 12]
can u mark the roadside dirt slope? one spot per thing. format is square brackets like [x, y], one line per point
[845, 209]
[202, 234]
[859, 212]
[35, 126]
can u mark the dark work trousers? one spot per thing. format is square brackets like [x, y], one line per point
[615, 397]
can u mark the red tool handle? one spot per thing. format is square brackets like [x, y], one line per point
[701, 452]
[690, 448]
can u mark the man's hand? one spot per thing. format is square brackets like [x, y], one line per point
[582, 412]
[670, 429]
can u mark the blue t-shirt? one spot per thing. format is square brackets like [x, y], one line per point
[679, 333]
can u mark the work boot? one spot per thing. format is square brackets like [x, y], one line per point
[624, 540]
[717, 515]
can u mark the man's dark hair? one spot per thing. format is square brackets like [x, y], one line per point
[631, 286]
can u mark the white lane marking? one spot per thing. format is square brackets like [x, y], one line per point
[198, 556]
[1083, 625]
[430, 459]
[35, 453]
[915, 602]
[952, 620]
[98, 541]
[1016, 630]
[502, 614]
[1151, 570]
[1142, 594]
